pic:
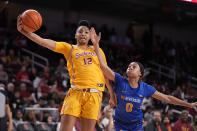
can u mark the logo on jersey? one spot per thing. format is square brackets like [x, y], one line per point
[123, 91]
[130, 99]
[99, 85]
[140, 95]
[84, 54]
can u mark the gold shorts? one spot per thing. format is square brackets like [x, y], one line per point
[82, 104]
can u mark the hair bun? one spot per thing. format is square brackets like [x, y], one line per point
[84, 23]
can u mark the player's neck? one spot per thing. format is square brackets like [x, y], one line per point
[133, 82]
[85, 46]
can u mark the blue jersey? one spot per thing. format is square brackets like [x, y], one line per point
[129, 100]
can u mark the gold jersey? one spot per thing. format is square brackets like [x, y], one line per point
[83, 66]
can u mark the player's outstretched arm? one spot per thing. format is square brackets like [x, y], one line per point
[172, 100]
[108, 73]
[50, 44]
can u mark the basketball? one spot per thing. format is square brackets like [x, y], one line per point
[31, 20]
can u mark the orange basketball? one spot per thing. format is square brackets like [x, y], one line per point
[31, 20]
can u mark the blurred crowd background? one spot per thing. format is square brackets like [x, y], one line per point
[31, 86]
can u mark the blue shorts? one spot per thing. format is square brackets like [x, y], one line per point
[134, 126]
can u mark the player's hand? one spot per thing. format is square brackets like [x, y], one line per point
[193, 105]
[19, 24]
[113, 101]
[94, 37]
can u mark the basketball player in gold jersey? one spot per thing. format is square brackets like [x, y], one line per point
[87, 81]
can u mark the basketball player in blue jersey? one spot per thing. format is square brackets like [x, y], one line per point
[131, 92]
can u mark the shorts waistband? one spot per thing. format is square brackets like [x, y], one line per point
[92, 90]
[126, 123]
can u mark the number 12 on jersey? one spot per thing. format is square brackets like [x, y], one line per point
[87, 61]
[129, 107]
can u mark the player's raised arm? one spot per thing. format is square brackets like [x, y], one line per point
[108, 73]
[172, 100]
[50, 44]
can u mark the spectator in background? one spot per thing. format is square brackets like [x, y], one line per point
[50, 123]
[54, 114]
[147, 102]
[33, 74]
[99, 126]
[148, 114]
[46, 73]
[44, 87]
[36, 81]
[24, 93]
[107, 121]
[5, 112]
[18, 118]
[178, 93]
[3, 74]
[41, 104]
[166, 122]
[30, 117]
[156, 123]
[104, 121]
[194, 124]
[22, 75]
[192, 111]
[183, 124]
[171, 117]
[13, 60]
[17, 100]
[3, 57]
[62, 69]
[27, 62]
[10, 92]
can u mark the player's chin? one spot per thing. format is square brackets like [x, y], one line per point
[82, 42]
[131, 75]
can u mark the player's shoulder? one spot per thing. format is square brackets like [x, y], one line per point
[122, 78]
[74, 46]
[143, 84]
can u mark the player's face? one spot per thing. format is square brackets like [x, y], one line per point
[133, 70]
[82, 35]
